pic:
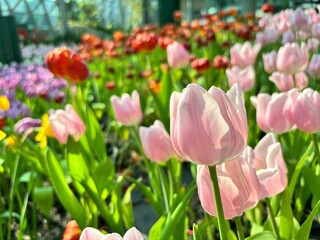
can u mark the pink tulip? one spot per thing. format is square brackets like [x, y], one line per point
[315, 30]
[244, 77]
[299, 19]
[239, 188]
[292, 58]
[178, 56]
[270, 165]
[127, 109]
[267, 36]
[270, 108]
[306, 112]
[66, 122]
[208, 127]
[94, 234]
[243, 55]
[156, 142]
[282, 20]
[301, 80]
[288, 37]
[313, 44]
[314, 66]
[269, 61]
[283, 81]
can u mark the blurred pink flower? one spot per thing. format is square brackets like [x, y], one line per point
[292, 58]
[299, 19]
[271, 168]
[301, 80]
[306, 111]
[267, 36]
[269, 61]
[156, 142]
[66, 122]
[288, 37]
[208, 127]
[313, 44]
[178, 56]
[239, 187]
[127, 109]
[94, 234]
[314, 66]
[243, 55]
[315, 30]
[244, 77]
[270, 108]
[284, 82]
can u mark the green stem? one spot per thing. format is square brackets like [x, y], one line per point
[315, 140]
[12, 193]
[101, 205]
[272, 218]
[209, 229]
[218, 203]
[239, 228]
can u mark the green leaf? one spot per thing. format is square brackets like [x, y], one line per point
[196, 233]
[43, 197]
[64, 193]
[312, 181]
[286, 217]
[304, 231]
[127, 207]
[298, 169]
[155, 231]
[256, 228]
[266, 235]
[95, 136]
[103, 176]
[176, 215]
[77, 165]
[165, 94]
[147, 192]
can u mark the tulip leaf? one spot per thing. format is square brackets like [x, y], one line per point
[298, 169]
[286, 217]
[44, 198]
[77, 165]
[312, 182]
[155, 231]
[127, 207]
[176, 215]
[156, 204]
[103, 175]
[95, 136]
[266, 235]
[165, 94]
[64, 193]
[196, 233]
[304, 231]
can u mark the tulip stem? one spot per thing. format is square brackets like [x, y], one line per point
[239, 228]
[272, 218]
[315, 140]
[218, 203]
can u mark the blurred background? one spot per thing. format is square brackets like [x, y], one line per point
[56, 21]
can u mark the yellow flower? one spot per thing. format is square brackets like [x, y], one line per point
[45, 131]
[11, 141]
[4, 103]
[2, 135]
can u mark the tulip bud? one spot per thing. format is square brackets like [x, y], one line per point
[200, 64]
[66, 122]
[178, 57]
[127, 109]
[156, 142]
[67, 64]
